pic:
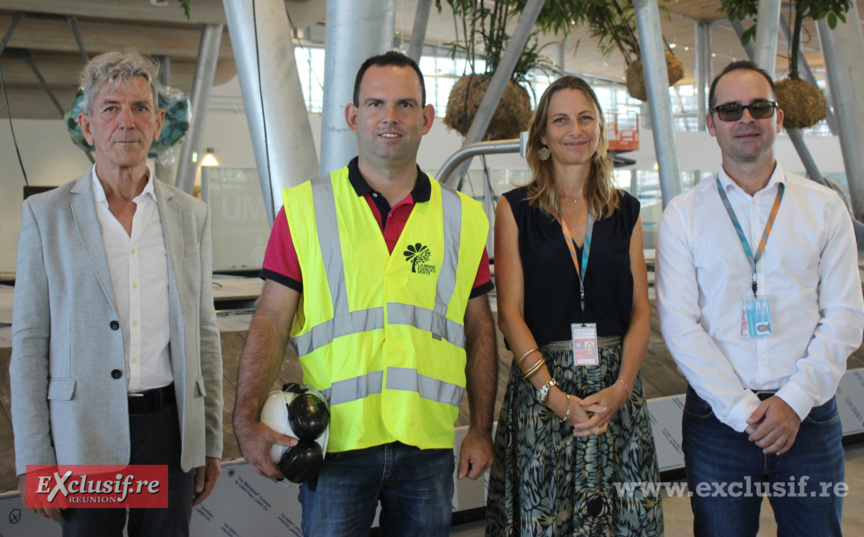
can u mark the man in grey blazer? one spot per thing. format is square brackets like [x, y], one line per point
[116, 354]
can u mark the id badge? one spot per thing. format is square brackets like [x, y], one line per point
[585, 344]
[755, 318]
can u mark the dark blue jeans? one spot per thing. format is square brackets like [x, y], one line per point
[414, 486]
[728, 475]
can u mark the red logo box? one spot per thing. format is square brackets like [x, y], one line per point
[104, 486]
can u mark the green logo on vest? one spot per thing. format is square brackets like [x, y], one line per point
[417, 255]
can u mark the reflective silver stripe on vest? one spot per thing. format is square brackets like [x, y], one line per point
[431, 321]
[344, 325]
[328, 240]
[345, 391]
[400, 378]
[452, 206]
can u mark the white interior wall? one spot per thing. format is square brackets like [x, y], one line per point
[51, 159]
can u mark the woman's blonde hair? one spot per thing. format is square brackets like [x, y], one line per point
[602, 195]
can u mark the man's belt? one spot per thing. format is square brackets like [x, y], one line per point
[763, 395]
[151, 400]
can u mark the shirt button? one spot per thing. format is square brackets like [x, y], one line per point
[374, 194]
[133, 251]
[134, 285]
[134, 360]
[114, 325]
[134, 323]
[116, 374]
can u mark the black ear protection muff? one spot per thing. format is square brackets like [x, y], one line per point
[304, 414]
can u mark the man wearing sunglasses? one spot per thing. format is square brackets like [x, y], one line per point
[760, 305]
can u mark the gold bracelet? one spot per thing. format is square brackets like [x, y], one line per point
[626, 387]
[522, 358]
[567, 415]
[534, 368]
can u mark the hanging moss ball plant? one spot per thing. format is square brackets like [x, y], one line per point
[636, 77]
[803, 103]
[511, 117]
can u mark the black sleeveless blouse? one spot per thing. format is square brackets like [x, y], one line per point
[551, 282]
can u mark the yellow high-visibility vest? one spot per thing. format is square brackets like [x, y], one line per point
[381, 335]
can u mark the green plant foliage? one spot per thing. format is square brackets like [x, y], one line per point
[612, 22]
[814, 9]
[481, 32]
[186, 8]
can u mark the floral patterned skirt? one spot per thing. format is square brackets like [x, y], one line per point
[545, 481]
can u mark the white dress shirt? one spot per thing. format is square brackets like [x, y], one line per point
[809, 271]
[139, 275]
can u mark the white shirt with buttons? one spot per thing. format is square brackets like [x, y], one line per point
[139, 276]
[808, 271]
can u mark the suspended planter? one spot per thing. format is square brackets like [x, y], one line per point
[636, 76]
[613, 24]
[512, 115]
[483, 36]
[803, 103]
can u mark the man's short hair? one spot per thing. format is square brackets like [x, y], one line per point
[389, 58]
[734, 66]
[116, 68]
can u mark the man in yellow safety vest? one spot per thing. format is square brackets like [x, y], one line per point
[378, 274]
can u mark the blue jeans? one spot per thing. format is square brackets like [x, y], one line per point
[414, 486]
[728, 475]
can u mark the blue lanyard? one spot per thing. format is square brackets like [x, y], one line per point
[742, 237]
[571, 245]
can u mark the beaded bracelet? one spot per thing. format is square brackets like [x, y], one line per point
[534, 368]
[522, 358]
[626, 387]
[567, 415]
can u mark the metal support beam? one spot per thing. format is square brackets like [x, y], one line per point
[202, 84]
[703, 61]
[767, 26]
[794, 134]
[499, 81]
[418, 34]
[356, 30]
[843, 48]
[28, 59]
[16, 20]
[469, 151]
[807, 74]
[272, 96]
[73, 23]
[739, 29]
[651, 47]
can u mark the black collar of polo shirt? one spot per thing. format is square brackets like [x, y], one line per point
[422, 191]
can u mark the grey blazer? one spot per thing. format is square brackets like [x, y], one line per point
[66, 406]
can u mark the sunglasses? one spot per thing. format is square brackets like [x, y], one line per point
[734, 111]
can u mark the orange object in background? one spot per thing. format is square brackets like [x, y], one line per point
[623, 132]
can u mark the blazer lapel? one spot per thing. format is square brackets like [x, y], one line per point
[84, 212]
[172, 227]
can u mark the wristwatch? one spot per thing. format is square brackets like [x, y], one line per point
[543, 392]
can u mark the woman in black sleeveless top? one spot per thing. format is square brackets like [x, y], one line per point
[574, 422]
